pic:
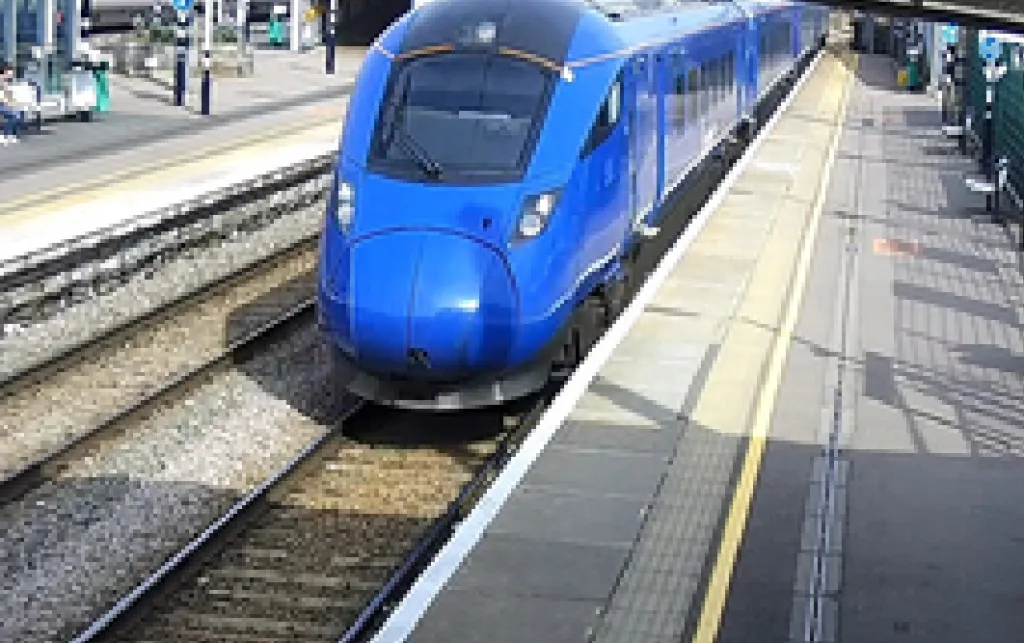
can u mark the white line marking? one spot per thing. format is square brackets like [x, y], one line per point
[406, 616]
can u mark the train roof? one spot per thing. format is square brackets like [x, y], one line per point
[631, 9]
[547, 31]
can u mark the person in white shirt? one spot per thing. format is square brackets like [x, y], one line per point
[12, 117]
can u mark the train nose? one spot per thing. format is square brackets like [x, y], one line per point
[444, 307]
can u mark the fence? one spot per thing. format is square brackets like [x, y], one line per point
[1008, 112]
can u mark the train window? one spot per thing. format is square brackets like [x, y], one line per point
[694, 85]
[613, 105]
[719, 80]
[677, 75]
[730, 72]
[706, 88]
[464, 114]
[711, 82]
[607, 118]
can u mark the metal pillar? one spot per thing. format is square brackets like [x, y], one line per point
[332, 21]
[10, 52]
[181, 57]
[994, 173]
[242, 20]
[207, 43]
[85, 24]
[294, 35]
[48, 16]
[949, 86]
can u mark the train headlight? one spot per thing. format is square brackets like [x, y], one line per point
[536, 214]
[346, 204]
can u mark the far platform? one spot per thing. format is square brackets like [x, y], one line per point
[77, 178]
[678, 498]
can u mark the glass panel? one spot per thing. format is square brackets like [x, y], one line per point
[466, 112]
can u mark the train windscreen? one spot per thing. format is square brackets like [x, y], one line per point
[461, 116]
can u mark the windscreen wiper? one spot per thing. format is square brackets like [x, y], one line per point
[412, 147]
[395, 132]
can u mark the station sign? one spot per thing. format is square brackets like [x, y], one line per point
[950, 34]
[990, 43]
[183, 5]
[989, 47]
[1003, 37]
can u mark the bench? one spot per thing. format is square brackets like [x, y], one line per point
[990, 188]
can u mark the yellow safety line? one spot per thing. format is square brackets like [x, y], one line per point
[49, 197]
[713, 608]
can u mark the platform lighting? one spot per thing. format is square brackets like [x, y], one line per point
[332, 18]
[207, 38]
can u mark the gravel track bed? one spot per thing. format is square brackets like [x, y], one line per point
[331, 536]
[114, 513]
[40, 418]
[24, 346]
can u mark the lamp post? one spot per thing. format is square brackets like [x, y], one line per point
[207, 41]
[332, 20]
[181, 53]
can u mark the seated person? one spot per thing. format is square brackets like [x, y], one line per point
[12, 116]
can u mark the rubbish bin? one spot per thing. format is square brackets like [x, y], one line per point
[101, 74]
[275, 32]
[913, 68]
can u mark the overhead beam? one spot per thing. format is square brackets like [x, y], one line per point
[993, 14]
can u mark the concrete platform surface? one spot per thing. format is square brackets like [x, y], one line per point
[612, 531]
[80, 209]
[916, 295]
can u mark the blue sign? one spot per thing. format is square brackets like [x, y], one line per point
[950, 34]
[183, 5]
[989, 46]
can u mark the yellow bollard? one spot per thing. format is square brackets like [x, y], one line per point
[901, 77]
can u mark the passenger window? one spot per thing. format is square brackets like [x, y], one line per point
[706, 88]
[730, 72]
[679, 77]
[613, 104]
[607, 118]
[693, 82]
[719, 81]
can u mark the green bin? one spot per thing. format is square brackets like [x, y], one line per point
[275, 32]
[100, 75]
[913, 68]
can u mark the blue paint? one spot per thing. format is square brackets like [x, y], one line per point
[439, 263]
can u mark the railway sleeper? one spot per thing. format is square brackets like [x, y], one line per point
[297, 559]
[197, 628]
[306, 606]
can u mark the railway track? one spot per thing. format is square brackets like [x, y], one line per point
[316, 551]
[308, 557]
[88, 520]
[69, 401]
[327, 544]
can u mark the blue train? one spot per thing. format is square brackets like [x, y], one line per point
[501, 162]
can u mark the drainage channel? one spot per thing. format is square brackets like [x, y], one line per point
[820, 561]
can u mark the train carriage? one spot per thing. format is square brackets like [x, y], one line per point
[501, 162]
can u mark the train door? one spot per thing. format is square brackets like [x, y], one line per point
[643, 126]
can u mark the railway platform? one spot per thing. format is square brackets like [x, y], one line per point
[78, 178]
[805, 428]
